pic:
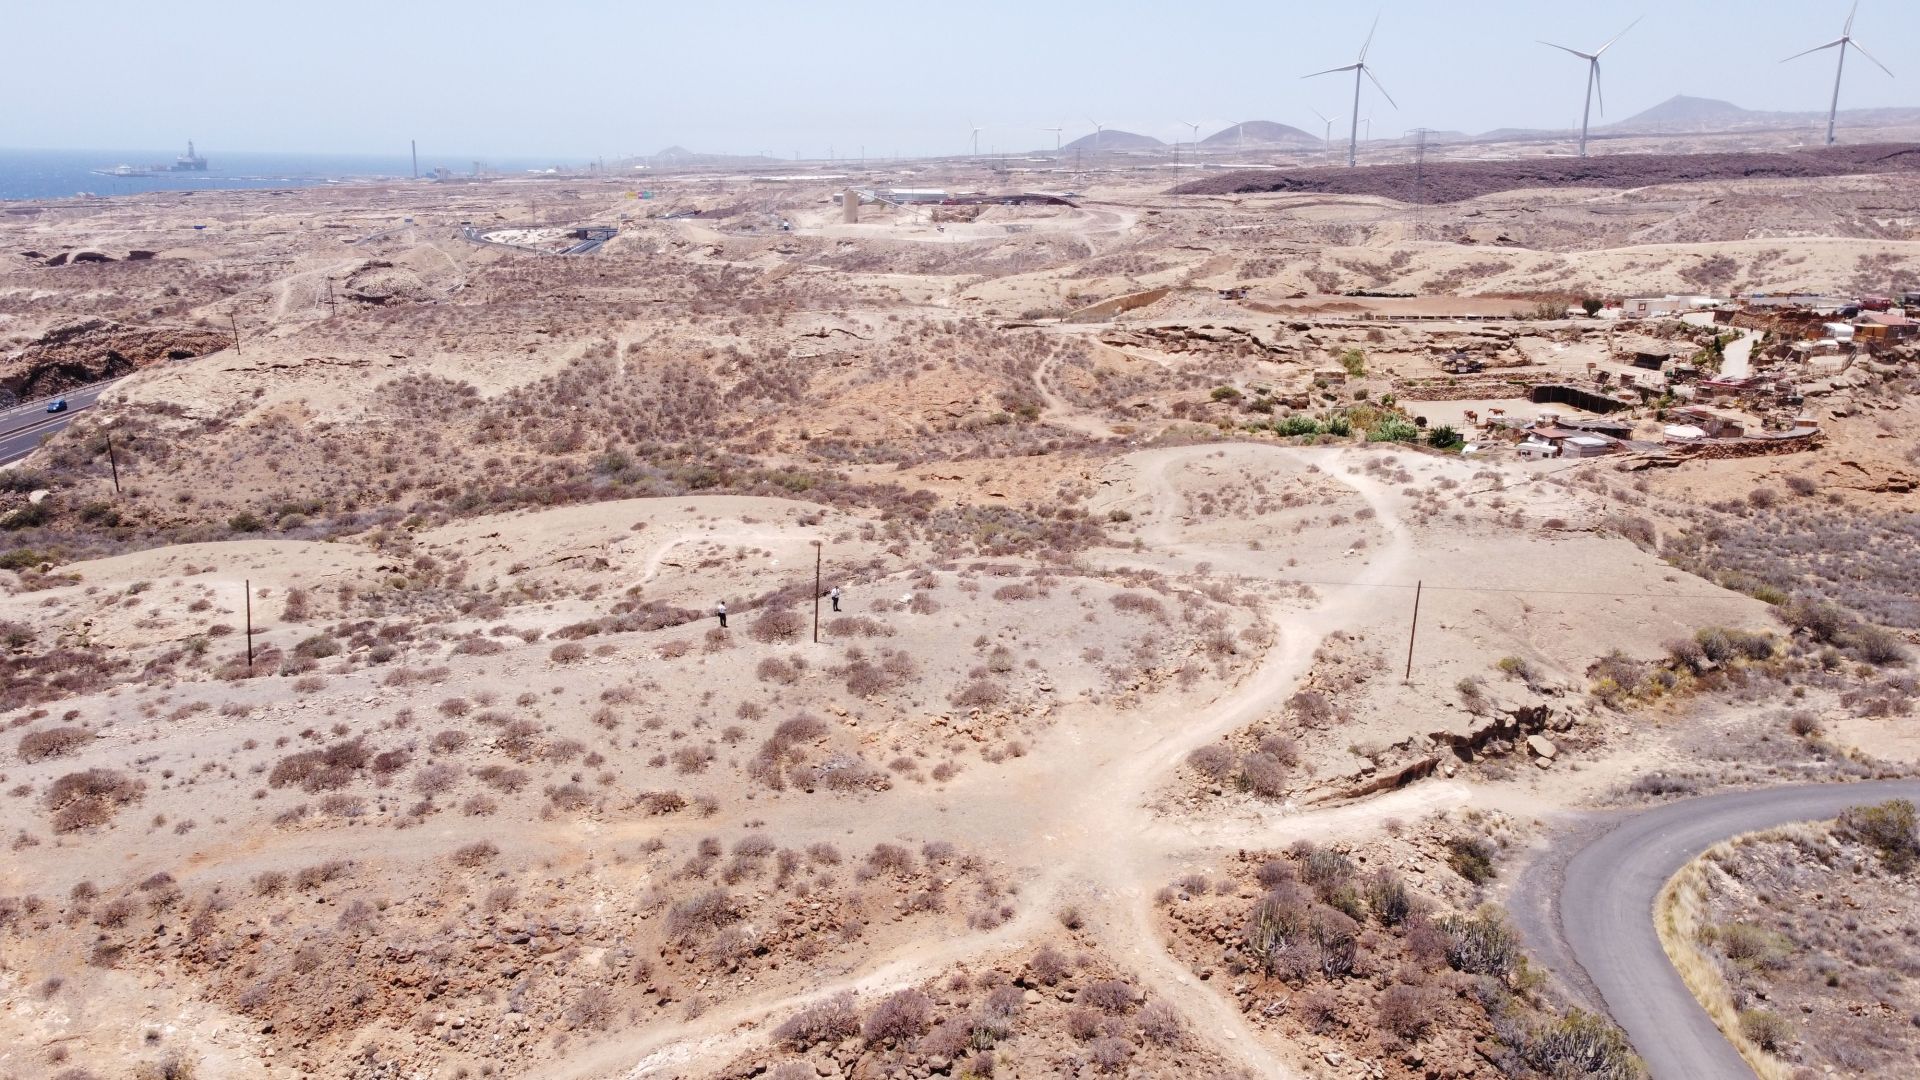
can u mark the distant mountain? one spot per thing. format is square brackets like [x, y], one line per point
[1695, 115]
[1113, 139]
[681, 157]
[1260, 133]
[1683, 113]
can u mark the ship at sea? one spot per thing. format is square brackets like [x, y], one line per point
[187, 162]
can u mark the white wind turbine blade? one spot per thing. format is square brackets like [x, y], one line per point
[1376, 85]
[1616, 37]
[1330, 71]
[1323, 119]
[1817, 48]
[1375, 27]
[1847, 30]
[1563, 48]
[1868, 55]
[1599, 94]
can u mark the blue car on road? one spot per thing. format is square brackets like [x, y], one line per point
[57, 405]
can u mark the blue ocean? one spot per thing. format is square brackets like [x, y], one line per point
[60, 174]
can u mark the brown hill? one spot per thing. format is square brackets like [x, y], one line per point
[1453, 181]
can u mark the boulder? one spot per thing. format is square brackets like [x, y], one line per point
[1542, 747]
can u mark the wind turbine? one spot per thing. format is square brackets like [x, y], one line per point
[1056, 137]
[1358, 67]
[1843, 43]
[1328, 121]
[1593, 78]
[1097, 132]
[976, 137]
[1195, 125]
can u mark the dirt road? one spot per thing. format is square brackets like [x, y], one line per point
[1075, 820]
[1592, 922]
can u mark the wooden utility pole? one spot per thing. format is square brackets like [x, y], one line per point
[234, 323]
[1413, 629]
[114, 464]
[247, 584]
[331, 309]
[816, 592]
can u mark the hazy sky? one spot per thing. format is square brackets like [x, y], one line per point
[578, 78]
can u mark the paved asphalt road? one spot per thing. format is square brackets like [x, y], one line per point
[1600, 910]
[22, 427]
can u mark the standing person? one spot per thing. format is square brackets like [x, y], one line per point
[720, 610]
[835, 597]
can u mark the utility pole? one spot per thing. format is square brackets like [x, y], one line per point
[331, 309]
[247, 584]
[234, 324]
[1413, 629]
[113, 463]
[816, 592]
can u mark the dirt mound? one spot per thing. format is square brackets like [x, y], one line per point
[1454, 181]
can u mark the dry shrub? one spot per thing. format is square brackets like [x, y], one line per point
[701, 915]
[1213, 761]
[899, 1018]
[1407, 1011]
[593, 1009]
[1113, 996]
[568, 653]
[980, 694]
[1262, 774]
[474, 854]
[53, 742]
[326, 769]
[826, 1021]
[1109, 1053]
[780, 624]
[86, 799]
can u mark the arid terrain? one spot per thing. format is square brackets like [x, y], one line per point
[1148, 648]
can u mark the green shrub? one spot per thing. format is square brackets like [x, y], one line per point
[1394, 429]
[1767, 1030]
[1583, 1045]
[1482, 944]
[1472, 858]
[1445, 437]
[1225, 393]
[1355, 361]
[1886, 827]
[246, 521]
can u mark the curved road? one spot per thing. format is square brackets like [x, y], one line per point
[22, 427]
[1598, 915]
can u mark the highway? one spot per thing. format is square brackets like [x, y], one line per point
[1589, 916]
[23, 426]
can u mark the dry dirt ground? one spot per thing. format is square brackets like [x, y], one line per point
[377, 720]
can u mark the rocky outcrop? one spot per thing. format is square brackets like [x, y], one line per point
[93, 349]
[1499, 730]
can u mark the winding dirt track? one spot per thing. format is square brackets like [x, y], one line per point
[1073, 816]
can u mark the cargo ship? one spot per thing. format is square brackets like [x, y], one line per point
[187, 162]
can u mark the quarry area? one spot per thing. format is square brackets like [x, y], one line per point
[924, 626]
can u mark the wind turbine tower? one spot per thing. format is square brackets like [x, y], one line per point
[1327, 136]
[976, 139]
[1593, 79]
[1843, 43]
[1098, 131]
[1358, 67]
[1056, 138]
